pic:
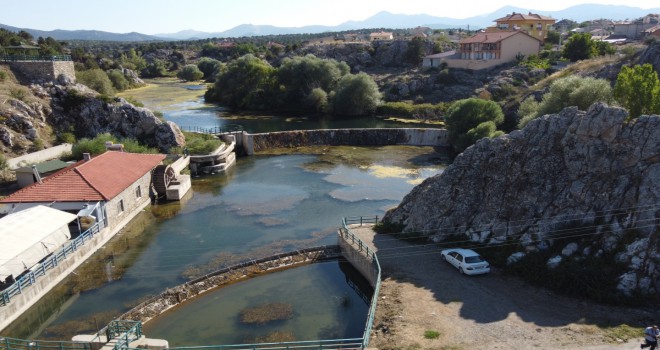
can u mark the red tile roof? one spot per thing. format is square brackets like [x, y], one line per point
[101, 178]
[492, 37]
[524, 17]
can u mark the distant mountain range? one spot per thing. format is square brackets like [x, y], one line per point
[383, 19]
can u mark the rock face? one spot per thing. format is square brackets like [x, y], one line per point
[573, 169]
[76, 108]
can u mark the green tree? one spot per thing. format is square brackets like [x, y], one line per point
[356, 95]
[97, 80]
[570, 91]
[190, 73]
[155, 69]
[605, 48]
[416, 51]
[638, 89]
[245, 83]
[298, 76]
[553, 37]
[210, 67]
[580, 47]
[470, 119]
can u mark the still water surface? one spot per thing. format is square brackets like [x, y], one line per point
[265, 205]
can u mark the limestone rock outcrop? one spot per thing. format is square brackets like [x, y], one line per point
[77, 108]
[573, 169]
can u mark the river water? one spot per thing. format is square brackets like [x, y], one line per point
[266, 204]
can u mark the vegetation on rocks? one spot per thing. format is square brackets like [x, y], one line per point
[96, 146]
[472, 119]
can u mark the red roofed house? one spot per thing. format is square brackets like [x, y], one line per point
[111, 187]
[531, 23]
[485, 50]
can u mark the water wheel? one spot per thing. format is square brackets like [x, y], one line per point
[162, 176]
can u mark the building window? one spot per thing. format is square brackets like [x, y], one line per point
[138, 192]
[120, 206]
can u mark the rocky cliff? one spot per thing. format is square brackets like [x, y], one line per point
[583, 183]
[64, 106]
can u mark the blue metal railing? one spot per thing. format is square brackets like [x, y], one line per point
[17, 58]
[371, 254]
[124, 331]
[20, 344]
[51, 262]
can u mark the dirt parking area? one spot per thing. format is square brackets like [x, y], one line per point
[422, 296]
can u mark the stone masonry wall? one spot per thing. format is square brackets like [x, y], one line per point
[45, 70]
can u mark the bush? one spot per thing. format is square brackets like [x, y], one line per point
[18, 93]
[119, 81]
[67, 137]
[190, 73]
[638, 89]
[96, 146]
[470, 119]
[72, 100]
[431, 334]
[3, 75]
[96, 79]
[570, 91]
[197, 143]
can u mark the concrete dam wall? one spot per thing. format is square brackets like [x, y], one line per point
[254, 143]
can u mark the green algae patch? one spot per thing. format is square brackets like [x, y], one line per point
[273, 337]
[164, 94]
[266, 313]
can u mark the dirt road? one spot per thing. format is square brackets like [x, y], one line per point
[421, 293]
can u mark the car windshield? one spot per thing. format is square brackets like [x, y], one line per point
[473, 259]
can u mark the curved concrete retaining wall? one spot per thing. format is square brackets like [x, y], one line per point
[176, 295]
[254, 143]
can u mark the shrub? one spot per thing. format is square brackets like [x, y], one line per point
[96, 146]
[119, 81]
[67, 137]
[638, 89]
[72, 100]
[197, 143]
[37, 145]
[18, 93]
[96, 79]
[3, 75]
[431, 334]
[356, 95]
[569, 91]
[190, 73]
[471, 119]
[388, 227]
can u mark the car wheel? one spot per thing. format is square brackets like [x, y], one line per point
[460, 269]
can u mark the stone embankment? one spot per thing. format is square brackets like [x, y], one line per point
[345, 137]
[574, 169]
[176, 295]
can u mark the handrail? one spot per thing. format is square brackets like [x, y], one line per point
[50, 262]
[351, 343]
[21, 344]
[213, 130]
[363, 247]
[32, 58]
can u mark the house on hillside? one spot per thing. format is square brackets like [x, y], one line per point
[487, 49]
[653, 31]
[533, 24]
[383, 36]
[107, 188]
[30, 235]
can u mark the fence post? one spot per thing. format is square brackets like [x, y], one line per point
[5, 301]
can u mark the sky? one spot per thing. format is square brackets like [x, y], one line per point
[171, 16]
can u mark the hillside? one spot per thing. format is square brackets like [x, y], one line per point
[569, 195]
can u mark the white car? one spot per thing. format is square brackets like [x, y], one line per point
[467, 261]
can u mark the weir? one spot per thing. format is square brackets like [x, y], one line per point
[255, 143]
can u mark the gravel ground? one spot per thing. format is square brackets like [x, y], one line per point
[420, 292]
